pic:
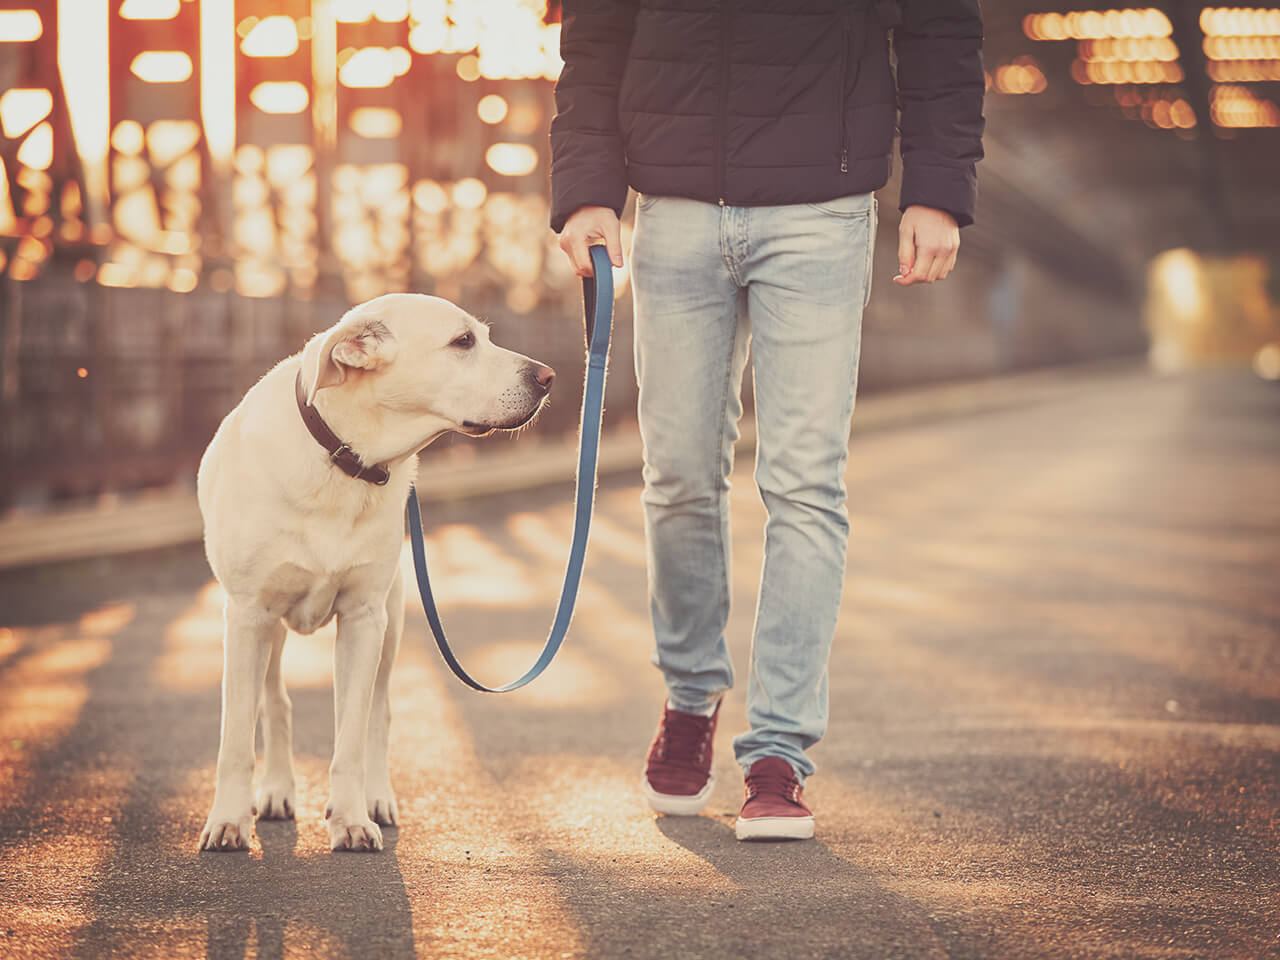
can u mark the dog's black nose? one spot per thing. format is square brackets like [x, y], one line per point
[544, 376]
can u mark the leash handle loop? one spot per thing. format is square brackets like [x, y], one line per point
[597, 295]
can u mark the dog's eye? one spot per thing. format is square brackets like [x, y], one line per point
[464, 342]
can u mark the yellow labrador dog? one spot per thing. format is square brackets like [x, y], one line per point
[302, 491]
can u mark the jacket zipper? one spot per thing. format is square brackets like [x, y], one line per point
[722, 122]
[844, 71]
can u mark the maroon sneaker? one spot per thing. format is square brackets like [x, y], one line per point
[677, 774]
[773, 809]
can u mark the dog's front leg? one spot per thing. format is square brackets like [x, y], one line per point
[381, 799]
[355, 664]
[250, 633]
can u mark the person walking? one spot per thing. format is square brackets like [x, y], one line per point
[755, 133]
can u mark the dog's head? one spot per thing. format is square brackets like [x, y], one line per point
[426, 358]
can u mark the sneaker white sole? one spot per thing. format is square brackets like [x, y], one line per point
[774, 828]
[674, 804]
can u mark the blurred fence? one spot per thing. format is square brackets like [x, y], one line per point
[115, 388]
[109, 388]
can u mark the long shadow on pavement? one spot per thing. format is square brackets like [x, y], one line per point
[786, 900]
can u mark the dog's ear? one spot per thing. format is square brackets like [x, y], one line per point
[359, 341]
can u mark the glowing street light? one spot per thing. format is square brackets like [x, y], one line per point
[371, 68]
[275, 36]
[20, 26]
[280, 97]
[162, 66]
[22, 108]
[36, 151]
[511, 159]
[376, 123]
[492, 108]
[149, 9]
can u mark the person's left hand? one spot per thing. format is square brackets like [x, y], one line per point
[928, 242]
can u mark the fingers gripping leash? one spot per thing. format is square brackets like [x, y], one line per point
[597, 293]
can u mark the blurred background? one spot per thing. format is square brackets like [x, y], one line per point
[190, 188]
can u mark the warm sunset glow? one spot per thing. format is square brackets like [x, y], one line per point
[217, 79]
[273, 37]
[390, 11]
[183, 280]
[1129, 49]
[1022, 76]
[1242, 48]
[36, 151]
[162, 66]
[1266, 362]
[281, 97]
[1236, 106]
[469, 193]
[511, 159]
[149, 9]
[7, 219]
[324, 74]
[20, 26]
[1244, 71]
[369, 68]
[491, 108]
[362, 11]
[115, 275]
[22, 108]
[82, 63]
[1097, 24]
[167, 140]
[376, 123]
[468, 68]
[1239, 22]
[430, 197]
[353, 11]
[128, 138]
[1143, 72]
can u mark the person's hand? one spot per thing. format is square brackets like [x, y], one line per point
[586, 226]
[928, 241]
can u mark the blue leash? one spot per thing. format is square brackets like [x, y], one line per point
[597, 295]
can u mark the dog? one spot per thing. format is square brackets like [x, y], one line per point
[302, 526]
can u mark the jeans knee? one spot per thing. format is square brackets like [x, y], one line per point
[679, 488]
[825, 504]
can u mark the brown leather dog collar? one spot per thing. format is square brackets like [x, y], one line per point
[341, 455]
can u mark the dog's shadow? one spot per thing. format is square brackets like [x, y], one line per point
[351, 904]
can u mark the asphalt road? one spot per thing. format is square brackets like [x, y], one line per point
[1055, 725]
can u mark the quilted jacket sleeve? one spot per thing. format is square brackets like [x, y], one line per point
[940, 90]
[588, 167]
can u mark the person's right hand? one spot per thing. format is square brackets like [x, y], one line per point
[586, 226]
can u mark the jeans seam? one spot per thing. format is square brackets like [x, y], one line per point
[718, 479]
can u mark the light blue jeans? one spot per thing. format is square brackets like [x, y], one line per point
[792, 282]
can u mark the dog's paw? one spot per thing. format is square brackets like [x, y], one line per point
[276, 800]
[226, 834]
[382, 806]
[354, 834]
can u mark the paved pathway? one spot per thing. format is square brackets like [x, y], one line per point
[1055, 725]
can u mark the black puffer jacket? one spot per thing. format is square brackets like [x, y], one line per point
[766, 101]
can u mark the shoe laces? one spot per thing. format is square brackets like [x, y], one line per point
[684, 739]
[776, 784]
